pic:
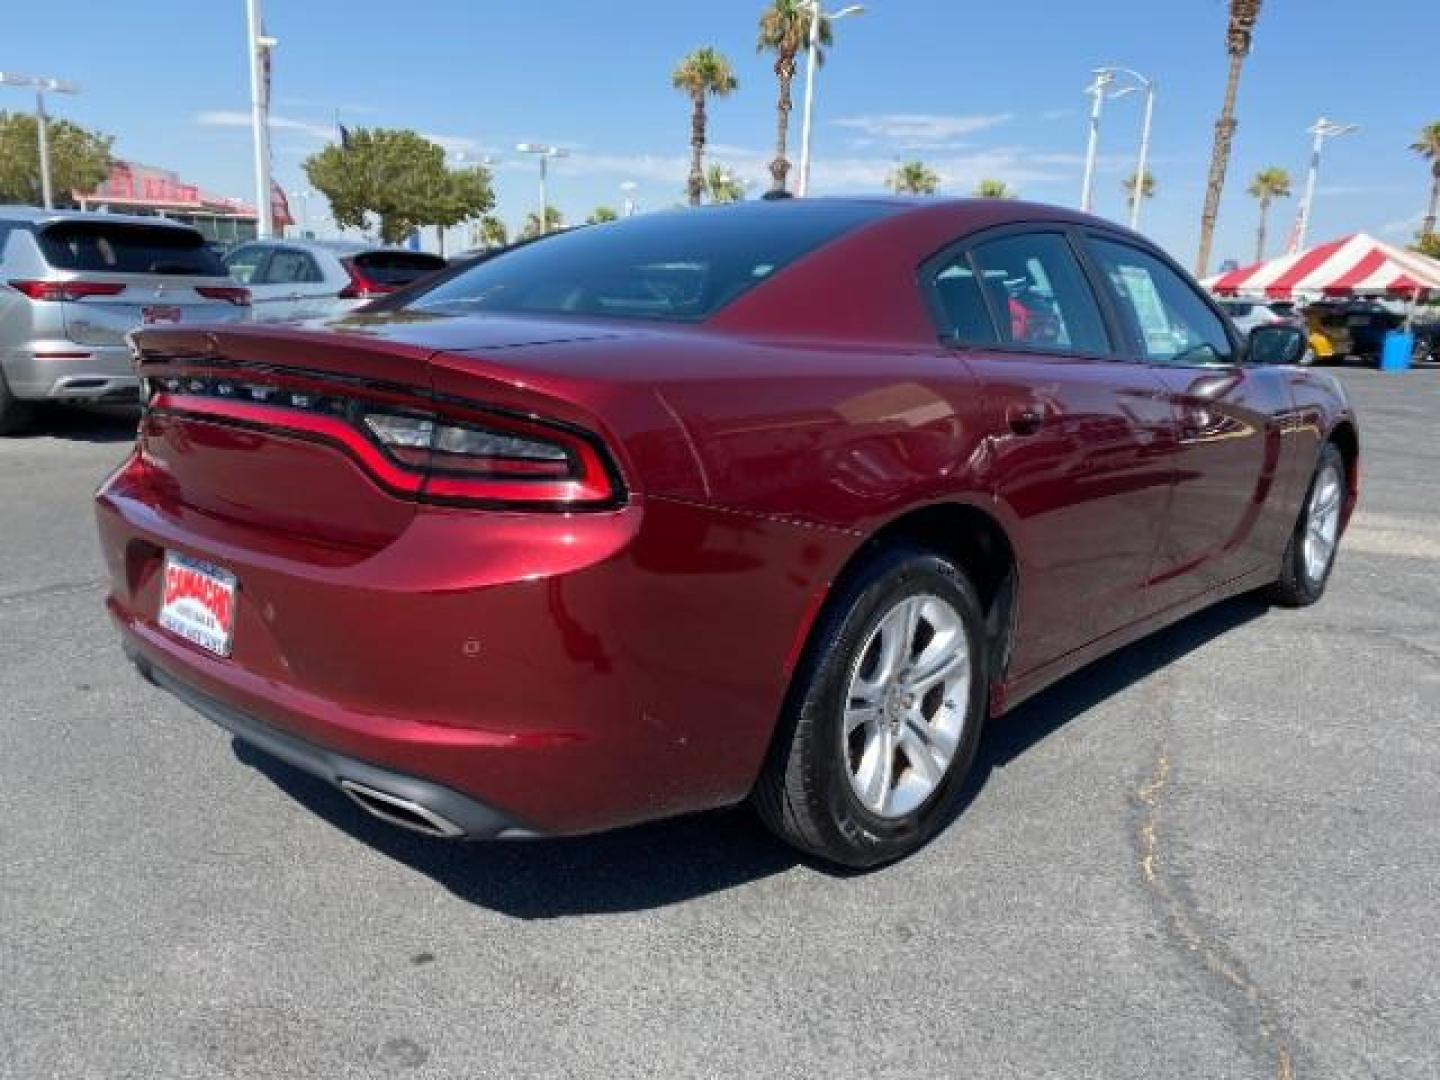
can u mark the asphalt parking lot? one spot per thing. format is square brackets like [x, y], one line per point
[1216, 854]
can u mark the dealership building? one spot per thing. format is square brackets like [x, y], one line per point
[132, 188]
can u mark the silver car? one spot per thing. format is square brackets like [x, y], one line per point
[306, 279]
[72, 285]
[1248, 314]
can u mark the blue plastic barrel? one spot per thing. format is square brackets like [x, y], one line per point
[1395, 352]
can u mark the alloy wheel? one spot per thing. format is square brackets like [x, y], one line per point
[1322, 524]
[906, 705]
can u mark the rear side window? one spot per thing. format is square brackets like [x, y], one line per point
[243, 262]
[679, 266]
[289, 267]
[1173, 323]
[397, 268]
[6, 228]
[125, 248]
[1039, 294]
[964, 316]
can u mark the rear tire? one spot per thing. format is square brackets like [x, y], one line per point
[884, 717]
[1310, 555]
[15, 415]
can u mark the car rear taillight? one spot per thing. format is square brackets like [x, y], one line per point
[362, 287]
[497, 459]
[235, 294]
[67, 290]
[457, 454]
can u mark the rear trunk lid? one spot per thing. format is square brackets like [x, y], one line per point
[241, 423]
[154, 274]
[288, 428]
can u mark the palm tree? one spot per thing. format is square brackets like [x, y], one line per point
[721, 185]
[553, 221]
[785, 31]
[1238, 37]
[704, 73]
[1428, 146]
[1268, 185]
[1147, 187]
[914, 178]
[993, 189]
[493, 232]
[600, 215]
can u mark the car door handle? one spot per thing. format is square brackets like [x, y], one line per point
[1025, 418]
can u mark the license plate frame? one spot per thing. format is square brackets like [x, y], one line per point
[161, 314]
[197, 603]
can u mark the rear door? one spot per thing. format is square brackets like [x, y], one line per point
[141, 274]
[291, 286]
[1225, 510]
[1081, 458]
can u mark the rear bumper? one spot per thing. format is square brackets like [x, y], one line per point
[564, 673]
[63, 370]
[419, 804]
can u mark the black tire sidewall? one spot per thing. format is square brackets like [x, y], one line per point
[1296, 588]
[865, 838]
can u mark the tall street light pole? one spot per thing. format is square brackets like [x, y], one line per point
[41, 85]
[1143, 161]
[259, 48]
[1099, 90]
[1322, 129]
[544, 153]
[817, 14]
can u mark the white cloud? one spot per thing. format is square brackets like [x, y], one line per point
[920, 129]
[235, 118]
[1402, 226]
[833, 173]
[240, 119]
[1059, 114]
[460, 144]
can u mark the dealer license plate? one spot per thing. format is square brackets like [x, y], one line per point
[198, 603]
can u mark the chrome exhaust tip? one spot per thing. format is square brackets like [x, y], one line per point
[402, 812]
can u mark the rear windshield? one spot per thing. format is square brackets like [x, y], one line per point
[679, 266]
[123, 248]
[397, 267]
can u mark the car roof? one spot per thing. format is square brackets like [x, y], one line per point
[962, 212]
[337, 247]
[37, 215]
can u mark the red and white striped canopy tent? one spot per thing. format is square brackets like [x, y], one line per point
[1356, 265]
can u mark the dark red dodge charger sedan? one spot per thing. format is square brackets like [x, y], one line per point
[779, 501]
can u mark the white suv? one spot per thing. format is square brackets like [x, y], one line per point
[72, 285]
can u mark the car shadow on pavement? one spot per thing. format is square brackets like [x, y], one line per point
[1030, 723]
[668, 862]
[92, 424]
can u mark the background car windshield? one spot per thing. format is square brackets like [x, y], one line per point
[398, 267]
[679, 267]
[122, 248]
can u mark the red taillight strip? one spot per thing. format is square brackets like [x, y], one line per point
[594, 487]
[236, 294]
[67, 290]
[308, 425]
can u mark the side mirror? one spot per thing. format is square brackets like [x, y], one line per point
[1276, 344]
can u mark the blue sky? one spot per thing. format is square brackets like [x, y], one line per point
[975, 89]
